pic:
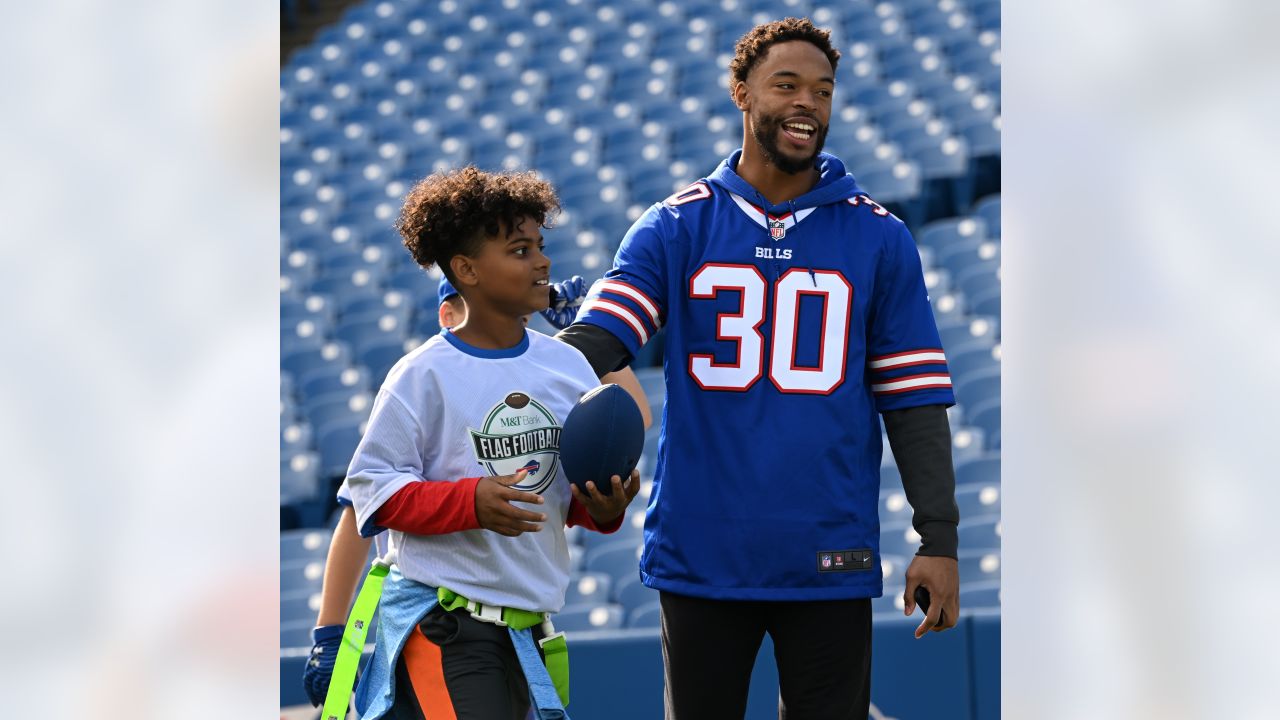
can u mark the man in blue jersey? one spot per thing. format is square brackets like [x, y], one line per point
[796, 317]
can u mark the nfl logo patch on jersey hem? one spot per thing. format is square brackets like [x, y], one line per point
[844, 560]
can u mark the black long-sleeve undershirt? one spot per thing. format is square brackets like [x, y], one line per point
[919, 436]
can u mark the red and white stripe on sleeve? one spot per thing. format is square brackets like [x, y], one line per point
[626, 302]
[907, 371]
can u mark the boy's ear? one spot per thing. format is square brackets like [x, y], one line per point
[464, 270]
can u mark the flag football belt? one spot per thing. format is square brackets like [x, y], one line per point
[555, 648]
[353, 637]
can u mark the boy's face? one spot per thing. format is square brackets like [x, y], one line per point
[512, 274]
[790, 87]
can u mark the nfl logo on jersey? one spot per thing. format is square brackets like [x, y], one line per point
[777, 229]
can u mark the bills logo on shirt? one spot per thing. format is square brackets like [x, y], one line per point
[519, 433]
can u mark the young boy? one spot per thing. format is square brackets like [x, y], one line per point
[348, 559]
[460, 461]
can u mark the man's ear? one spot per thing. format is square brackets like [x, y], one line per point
[740, 95]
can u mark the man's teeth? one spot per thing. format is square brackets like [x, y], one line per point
[541, 282]
[801, 130]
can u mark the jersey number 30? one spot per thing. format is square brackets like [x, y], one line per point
[743, 328]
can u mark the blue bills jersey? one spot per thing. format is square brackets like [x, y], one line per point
[788, 329]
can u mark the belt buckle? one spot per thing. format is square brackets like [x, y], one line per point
[489, 614]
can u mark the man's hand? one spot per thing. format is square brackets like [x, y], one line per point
[495, 512]
[604, 509]
[566, 298]
[319, 668]
[941, 577]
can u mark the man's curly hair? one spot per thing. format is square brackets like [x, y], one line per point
[753, 46]
[450, 214]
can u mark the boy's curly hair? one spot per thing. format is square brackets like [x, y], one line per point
[753, 46]
[448, 214]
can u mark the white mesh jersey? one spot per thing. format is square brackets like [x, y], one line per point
[449, 411]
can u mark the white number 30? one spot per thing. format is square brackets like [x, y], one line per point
[743, 328]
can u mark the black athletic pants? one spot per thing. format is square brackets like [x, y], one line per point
[454, 666]
[822, 648]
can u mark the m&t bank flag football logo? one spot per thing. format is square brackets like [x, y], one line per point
[519, 433]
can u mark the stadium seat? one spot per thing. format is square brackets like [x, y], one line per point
[979, 595]
[984, 470]
[986, 415]
[894, 506]
[648, 615]
[295, 437]
[631, 531]
[299, 606]
[942, 233]
[300, 477]
[978, 387]
[631, 593]
[899, 538]
[894, 566]
[305, 545]
[980, 533]
[337, 441]
[978, 499]
[584, 618]
[965, 331]
[618, 560]
[967, 442]
[588, 588]
[979, 565]
[890, 478]
[988, 208]
[966, 360]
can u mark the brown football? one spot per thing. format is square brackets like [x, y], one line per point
[517, 400]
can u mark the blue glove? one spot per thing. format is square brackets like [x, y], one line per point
[566, 298]
[315, 677]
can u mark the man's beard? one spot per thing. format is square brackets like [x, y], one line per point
[765, 129]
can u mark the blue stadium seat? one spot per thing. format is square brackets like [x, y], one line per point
[985, 414]
[301, 575]
[890, 478]
[351, 408]
[981, 533]
[964, 361]
[899, 538]
[978, 277]
[299, 606]
[332, 355]
[296, 633]
[979, 565]
[618, 560]
[328, 381]
[978, 499]
[968, 330]
[986, 302]
[988, 208]
[893, 506]
[977, 387]
[967, 442]
[295, 437]
[300, 477]
[337, 441]
[588, 588]
[894, 566]
[979, 595]
[631, 531]
[941, 233]
[631, 593]
[584, 618]
[648, 615]
[309, 544]
[984, 470]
